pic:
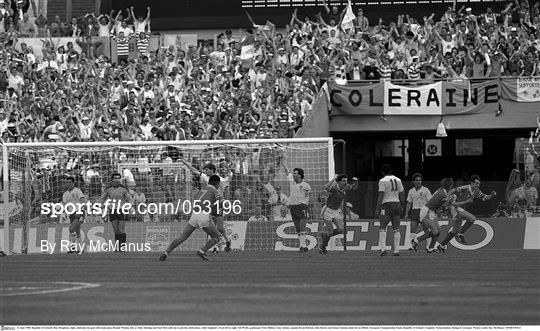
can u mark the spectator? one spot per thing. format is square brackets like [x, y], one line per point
[283, 216]
[528, 193]
[351, 216]
[276, 200]
[258, 217]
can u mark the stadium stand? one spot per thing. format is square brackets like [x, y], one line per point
[258, 86]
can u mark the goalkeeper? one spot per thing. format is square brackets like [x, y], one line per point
[119, 194]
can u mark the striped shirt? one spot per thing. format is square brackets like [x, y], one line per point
[385, 71]
[142, 44]
[414, 71]
[122, 46]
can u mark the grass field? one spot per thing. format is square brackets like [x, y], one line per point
[261, 288]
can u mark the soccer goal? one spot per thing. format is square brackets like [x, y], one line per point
[163, 178]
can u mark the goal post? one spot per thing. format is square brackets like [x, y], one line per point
[157, 173]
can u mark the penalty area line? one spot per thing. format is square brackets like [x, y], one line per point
[47, 289]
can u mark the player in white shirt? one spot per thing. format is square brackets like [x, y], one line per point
[416, 199]
[73, 195]
[389, 208]
[299, 202]
[209, 170]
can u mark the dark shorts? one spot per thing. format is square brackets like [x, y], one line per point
[118, 217]
[415, 216]
[391, 212]
[391, 209]
[299, 214]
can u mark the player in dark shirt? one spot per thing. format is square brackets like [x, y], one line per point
[208, 198]
[331, 212]
[465, 195]
[429, 215]
[118, 193]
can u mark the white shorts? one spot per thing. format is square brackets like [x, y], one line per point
[200, 220]
[427, 214]
[329, 214]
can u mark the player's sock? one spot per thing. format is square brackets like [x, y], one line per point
[302, 239]
[465, 226]
[382, 239]
[117, 241]
[224, 235]
[209, 244]
[424, 236]
[434, 239]
[72, 240]
[397, 239]
[448, 237]
[175, 243]
[78, 241]
[124, 238]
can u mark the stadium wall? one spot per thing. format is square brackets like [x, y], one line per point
[279, 236]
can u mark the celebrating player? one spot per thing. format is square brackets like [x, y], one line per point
[207, 196]
[465, 195]
[209, 170]
[416, 199]
[331, 212]
[73, 195]
[118, 193]
[299, 200]
[389, 208]
[429, 215]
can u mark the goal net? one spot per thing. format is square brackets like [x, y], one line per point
[163, 179]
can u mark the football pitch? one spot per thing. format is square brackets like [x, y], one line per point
[487, 287]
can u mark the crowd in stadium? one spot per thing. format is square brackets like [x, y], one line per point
[260, 84]
[213, 92]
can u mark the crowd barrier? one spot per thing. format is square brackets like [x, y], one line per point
[362, 235]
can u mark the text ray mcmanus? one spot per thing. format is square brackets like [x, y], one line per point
[93, 246]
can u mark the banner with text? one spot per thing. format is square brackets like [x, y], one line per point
[459, 97]
[412, 100]
[268, 236]
[522, 89]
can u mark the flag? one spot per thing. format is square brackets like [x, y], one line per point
[317, 122]
[522, 89]
[247, 55]
[348, 19]
[268, 26]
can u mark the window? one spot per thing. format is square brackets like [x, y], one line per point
[468, 147]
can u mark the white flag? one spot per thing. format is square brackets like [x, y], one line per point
[349, 18]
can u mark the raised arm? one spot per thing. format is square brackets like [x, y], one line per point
[325, 5]
[328, 185]
[190, 167]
